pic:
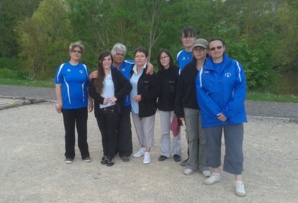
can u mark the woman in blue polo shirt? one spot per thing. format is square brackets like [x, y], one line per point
[72, 96]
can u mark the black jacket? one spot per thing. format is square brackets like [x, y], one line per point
[122, 88]
[148, 88]
[168, 79]
[186, 89]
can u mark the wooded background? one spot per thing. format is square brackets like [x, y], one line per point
[260, 34]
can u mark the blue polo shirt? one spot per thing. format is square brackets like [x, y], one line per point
[183, 58]
[74, 82]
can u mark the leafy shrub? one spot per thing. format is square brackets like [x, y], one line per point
[9, 63]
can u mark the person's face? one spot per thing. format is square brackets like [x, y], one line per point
[199, 53]
[216, 49]
[76, 54]
[164, 60]
[187, 41]
[140, 59]
[107, 62]
[118, 57]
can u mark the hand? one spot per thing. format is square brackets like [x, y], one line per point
[138, 98]
[105, 101]
[93, 75]
[150, 69]
[221, 117]
[113, 99]
[90, 106]
[58, 108]
[182, 120]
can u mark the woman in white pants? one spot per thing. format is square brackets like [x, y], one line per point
[168, 76]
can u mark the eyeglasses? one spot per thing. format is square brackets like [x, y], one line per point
[76, 51]
[164, 57]
[213, 48]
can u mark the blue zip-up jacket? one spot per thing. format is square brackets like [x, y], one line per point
[221, 90]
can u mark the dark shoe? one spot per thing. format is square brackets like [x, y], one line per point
[162, 158]
[110, 162]
[125, 158]
[68, 160]
[104, 160]
[183, 163]
[87, 159]
[177, 158]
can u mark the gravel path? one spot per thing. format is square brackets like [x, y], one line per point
[32, 165]
[262, 109]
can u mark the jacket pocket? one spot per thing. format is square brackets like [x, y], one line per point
[146, 84]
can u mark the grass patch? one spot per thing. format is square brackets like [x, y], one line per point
[28, 83]
[255, 96]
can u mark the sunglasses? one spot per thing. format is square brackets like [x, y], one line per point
[76, 51]
[213, 48]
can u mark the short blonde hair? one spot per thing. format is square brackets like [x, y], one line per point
[76, 44]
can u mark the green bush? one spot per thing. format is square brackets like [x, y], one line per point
[9, 63]
[8, 73]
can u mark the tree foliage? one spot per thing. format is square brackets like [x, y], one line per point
[44, 37]
[261, 35]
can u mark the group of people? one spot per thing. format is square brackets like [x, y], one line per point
[206, 92]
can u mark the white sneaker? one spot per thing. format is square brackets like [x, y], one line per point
[140, 152]
[188, 171]
[206, 173]
[215, 177]
[147, 158]
[240, 191]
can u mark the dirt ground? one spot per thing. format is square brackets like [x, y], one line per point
[32, 167]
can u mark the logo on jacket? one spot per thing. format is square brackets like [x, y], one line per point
[227, 75]
[68, 70]
[81, 71]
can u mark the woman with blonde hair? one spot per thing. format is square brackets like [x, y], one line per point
[72, 96]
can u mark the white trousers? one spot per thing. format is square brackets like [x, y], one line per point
[165, 142]
[144, 129]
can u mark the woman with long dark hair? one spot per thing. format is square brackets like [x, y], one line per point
[108, 90]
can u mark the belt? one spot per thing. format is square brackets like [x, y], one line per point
[109, 108]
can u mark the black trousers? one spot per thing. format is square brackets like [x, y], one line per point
[75, 118]
[107, 121]
[124, 134]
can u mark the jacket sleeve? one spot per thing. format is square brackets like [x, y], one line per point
[238, 98]
[93, 94]
[124, 85]
[206, 104]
